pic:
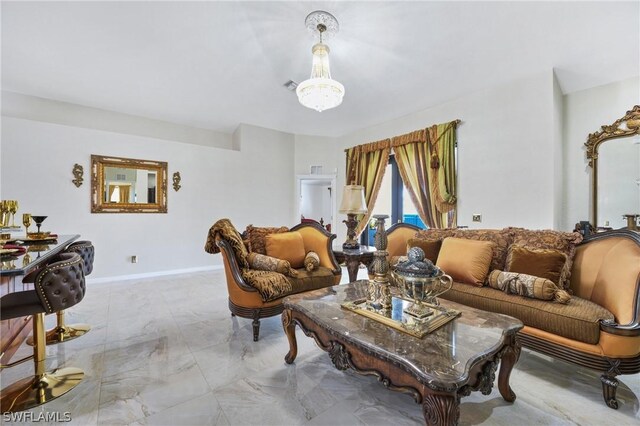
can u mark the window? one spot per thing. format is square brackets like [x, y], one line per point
[394, 201]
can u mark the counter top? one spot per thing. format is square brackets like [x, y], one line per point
[38, 254]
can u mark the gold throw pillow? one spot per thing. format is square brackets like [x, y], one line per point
[287, 246]
[543, 263]
[466, 261]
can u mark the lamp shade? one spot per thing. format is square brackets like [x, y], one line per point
[353, 200]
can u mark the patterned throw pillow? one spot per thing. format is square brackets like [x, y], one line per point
[311, 261]
[564, 242]
[528, 286]
[433, 234]
[502, 239]
[263, 262]
[256, 236]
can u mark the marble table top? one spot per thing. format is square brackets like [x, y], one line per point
[443, 357]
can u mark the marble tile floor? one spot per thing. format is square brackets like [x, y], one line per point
[165, 351]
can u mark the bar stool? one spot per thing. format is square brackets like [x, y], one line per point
[62, 332]
[58, 286]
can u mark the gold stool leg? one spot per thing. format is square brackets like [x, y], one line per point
[42, 387]
[62, 332]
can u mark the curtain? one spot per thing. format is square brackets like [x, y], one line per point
[112, 188]
[366, 165]
[426, 161]
[124, 193]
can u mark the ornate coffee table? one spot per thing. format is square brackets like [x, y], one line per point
[437, 370]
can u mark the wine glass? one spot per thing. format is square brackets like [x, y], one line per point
[13, 208]
[4, 210]
[26, 221]
[38, 220]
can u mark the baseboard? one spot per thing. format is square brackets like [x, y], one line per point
[153, 274]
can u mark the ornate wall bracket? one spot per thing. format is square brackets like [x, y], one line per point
[78, 172]
[176, 181]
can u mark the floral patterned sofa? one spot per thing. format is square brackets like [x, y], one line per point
[598, 328]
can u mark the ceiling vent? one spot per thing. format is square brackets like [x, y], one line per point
[291, 85]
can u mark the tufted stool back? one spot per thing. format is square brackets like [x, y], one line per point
[61, 284]
[86, 250]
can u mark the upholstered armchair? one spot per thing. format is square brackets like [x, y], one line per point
[257, 294]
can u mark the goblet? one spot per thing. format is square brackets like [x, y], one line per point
[4, 213]
[13, 208]
[38, 220]
[26, 221]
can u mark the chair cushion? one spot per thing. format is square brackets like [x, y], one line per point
[288, 246]
[274, 285]
[577, 320]
[546, 264]
[318, 278]
[20, 304]
[466, 261]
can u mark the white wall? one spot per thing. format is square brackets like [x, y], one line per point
[253, 185]
[584, 112]
[505, 152]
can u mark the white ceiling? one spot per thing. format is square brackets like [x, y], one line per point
[215, 65]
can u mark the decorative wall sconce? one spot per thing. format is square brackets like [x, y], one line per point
[176, 181]
[77, 171]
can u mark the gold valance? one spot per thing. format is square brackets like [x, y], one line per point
[372, 146]
[412, 137]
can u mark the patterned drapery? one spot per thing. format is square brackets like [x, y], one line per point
[427, 164]
[366, 165]
[426, 160]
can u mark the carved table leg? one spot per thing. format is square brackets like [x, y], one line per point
[510, 355]
[352, 268]
[609, 388]
[441, 410]
[290, 331]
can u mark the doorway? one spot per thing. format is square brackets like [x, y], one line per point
[316, 199]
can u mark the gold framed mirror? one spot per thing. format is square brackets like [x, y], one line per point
[127, 185]
[615, 171]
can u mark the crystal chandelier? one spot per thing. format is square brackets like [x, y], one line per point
[320, 91]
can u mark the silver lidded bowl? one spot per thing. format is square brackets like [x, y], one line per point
[419, 279]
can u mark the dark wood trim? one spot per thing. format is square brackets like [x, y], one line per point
[594, 362]
[230, 257]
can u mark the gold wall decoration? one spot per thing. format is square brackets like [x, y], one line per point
[176, 181]
[126, 185]
[78, 172]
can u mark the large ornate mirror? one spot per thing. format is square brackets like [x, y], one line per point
[126, 185]
[614, 156]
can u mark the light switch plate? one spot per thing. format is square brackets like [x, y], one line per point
[476, 218]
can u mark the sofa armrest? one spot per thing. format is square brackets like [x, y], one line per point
[229, 257]
[317, 239]
[610, 326]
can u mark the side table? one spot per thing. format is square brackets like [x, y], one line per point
[353, 258]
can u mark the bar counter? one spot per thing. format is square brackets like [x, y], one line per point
[12, 271]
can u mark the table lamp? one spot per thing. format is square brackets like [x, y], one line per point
[353, 204]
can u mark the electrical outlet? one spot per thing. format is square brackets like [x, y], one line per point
[134, 259]
[476, 218]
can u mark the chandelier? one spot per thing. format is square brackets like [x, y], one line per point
[320, 91]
